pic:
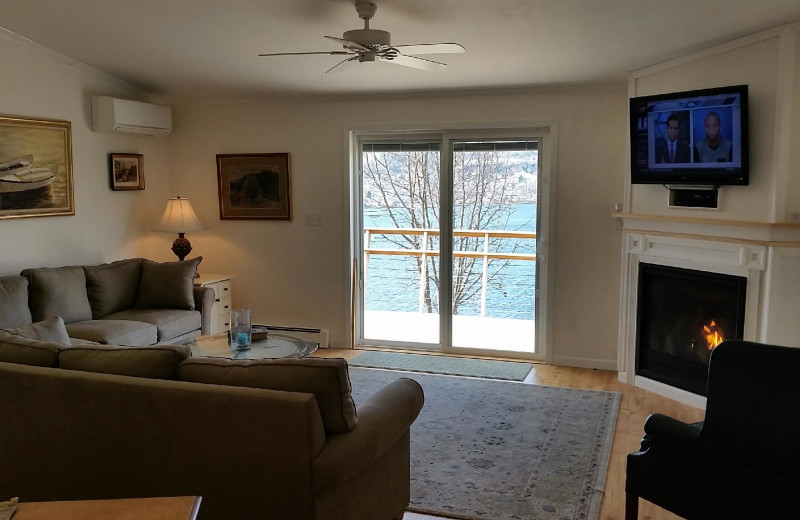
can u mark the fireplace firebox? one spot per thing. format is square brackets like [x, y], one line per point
[682, 315]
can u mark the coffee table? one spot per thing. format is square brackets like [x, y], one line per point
[275, 346]
[169, 508]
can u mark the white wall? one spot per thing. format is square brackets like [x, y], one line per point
[793, 187]
[107, 225]
[293, 274]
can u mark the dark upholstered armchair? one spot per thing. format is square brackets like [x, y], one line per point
[743, 460]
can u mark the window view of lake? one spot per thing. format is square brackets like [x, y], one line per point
[393, 281]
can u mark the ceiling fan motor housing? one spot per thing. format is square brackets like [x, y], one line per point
[369, 37]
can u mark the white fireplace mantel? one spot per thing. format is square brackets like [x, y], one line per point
[767, 255]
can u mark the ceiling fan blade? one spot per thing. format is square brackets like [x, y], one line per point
[348, 44]
[431, 48]
[413, 61]
[337, 68]
[336, 53]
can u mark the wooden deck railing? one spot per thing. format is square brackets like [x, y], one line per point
[424, 252]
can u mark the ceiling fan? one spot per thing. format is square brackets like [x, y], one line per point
[369, 45]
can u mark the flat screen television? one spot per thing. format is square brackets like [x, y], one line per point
[697, 137]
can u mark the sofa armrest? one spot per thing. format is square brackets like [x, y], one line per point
[204, 302]
[382, 420]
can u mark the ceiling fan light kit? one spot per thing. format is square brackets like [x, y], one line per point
[369, 45]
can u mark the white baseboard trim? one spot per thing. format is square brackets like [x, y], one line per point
[601, 364]
[682, 396]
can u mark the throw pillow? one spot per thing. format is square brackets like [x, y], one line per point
[26, 351]
[14, 311]
[168, 285]
[113, 287]
[326, 378]
[58, 291]
[159, 362]
[52, 329]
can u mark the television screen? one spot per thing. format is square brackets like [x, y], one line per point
[694, 137]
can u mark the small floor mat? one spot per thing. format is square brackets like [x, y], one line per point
[454, 366]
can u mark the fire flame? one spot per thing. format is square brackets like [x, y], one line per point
[713, 334]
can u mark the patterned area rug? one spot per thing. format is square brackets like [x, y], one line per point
[504, 451]
[489, 369]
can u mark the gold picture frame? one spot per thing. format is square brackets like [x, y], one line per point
[35, 168]
[126, 171]
[254, 186]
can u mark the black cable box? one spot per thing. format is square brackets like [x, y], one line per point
[694, 198]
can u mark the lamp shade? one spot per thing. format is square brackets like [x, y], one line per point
[179, 217]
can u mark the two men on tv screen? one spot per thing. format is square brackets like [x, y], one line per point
[713, 148]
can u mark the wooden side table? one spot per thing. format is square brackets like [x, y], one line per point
[221, 312]
[161, 508]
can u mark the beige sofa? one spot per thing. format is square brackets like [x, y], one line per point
[129, 302]
[266, 439]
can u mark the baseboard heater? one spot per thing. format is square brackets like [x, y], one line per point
[320, 336]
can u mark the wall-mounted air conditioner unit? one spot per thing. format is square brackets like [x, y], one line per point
[111, 114]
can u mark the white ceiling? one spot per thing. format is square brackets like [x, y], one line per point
[209, 48]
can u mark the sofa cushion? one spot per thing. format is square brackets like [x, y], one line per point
[27, 351]
[52, 329]
[114, 332]
[113, 287]
[326, 378]
[152, 362]
[167, 285]
[169, 323]
[77, 342]
[14, 311]
[59, 291]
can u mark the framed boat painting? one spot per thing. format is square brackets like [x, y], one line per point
[35, 168]
[254, 186]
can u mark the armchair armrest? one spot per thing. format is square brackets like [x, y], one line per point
[663, 428]
[204, 302]
[382, 420]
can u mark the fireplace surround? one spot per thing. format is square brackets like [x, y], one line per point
[763, 258]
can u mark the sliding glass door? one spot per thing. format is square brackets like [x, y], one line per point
[494, 208]
[447, 222]
[400, 214]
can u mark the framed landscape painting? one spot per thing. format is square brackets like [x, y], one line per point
[127, 171]
[35, 168]
[254, 186]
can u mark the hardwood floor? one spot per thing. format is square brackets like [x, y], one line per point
[636, 404]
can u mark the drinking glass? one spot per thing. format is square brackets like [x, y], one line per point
[241, 329]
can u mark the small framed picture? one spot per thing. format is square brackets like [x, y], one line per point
[127, 171]
[254, 186]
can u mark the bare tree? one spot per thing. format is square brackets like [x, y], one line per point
[405, 185]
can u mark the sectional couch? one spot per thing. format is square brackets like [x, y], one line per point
[265, 439]
[130, 302]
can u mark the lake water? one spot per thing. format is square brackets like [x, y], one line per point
[393, 281]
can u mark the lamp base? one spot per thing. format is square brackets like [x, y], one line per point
[181, 247]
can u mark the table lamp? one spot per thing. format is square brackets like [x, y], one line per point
[180, 218]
